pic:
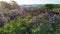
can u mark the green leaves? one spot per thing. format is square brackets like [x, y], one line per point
[22, 26]
[39, 24]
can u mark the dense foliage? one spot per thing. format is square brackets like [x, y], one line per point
[12, 22]
[36, 25]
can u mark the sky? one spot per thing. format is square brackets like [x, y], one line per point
[22, 2]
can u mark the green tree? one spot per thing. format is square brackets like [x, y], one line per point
[50, 6]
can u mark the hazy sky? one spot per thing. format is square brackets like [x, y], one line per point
[21, 2]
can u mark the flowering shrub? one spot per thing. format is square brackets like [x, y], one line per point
[29, 22]
[30, 25]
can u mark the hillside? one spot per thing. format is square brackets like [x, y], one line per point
[29, 19]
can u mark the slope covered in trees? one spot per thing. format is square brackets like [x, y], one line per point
[16, 20]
